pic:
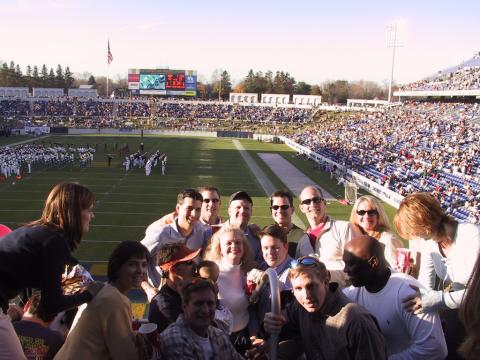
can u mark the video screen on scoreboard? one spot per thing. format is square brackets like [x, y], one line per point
[162, 82]
[176, 81]
[152, 82]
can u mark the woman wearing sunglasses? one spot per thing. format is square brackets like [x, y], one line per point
[368, 214]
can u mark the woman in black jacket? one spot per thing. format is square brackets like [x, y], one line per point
[35, 255]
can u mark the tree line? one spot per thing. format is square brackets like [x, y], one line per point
[12, 75]
[219, 87]
[333, 92]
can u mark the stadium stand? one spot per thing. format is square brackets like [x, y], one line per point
[415, 147]
[463, 77]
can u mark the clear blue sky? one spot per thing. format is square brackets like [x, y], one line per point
[313, 40]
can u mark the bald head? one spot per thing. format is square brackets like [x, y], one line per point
[365, 263]
[311, 189]
[361, 246]
[313, 206]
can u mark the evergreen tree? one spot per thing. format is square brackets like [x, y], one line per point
[44, 76]
[51, 78]
[68, 78]
[35, 72]
[92, 81]
[249, 82]
[302, 88]
[223, 87]
[18, 77]
[59, 79]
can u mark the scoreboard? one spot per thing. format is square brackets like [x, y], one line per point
[162, 82]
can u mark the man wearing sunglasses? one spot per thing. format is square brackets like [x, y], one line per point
[381, 291]
[326, 236]
[328, 324]
[281, 205]
[210, 206]
[178, 269]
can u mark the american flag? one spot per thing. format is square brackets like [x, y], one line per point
[109, 54]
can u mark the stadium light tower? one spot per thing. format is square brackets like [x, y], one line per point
[395, 32]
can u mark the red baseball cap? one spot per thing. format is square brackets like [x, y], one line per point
[183, 254]
[4, 230]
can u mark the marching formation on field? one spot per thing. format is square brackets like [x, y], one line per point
[347, 289]
[22, 158]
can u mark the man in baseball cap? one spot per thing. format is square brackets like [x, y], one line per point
[240, 211]
[177, 263]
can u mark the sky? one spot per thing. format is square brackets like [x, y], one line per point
[313, 40]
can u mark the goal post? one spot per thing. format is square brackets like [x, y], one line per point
[351, 192]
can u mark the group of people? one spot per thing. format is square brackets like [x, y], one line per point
[342, 290]
[20, 159]
[133, 108]
[464, 78]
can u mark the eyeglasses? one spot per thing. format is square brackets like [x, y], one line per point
[283, 207]
[207, 201]
[316, 200]
[369, 212]
[306, 261]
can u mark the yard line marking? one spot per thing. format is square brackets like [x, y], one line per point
[261, 177]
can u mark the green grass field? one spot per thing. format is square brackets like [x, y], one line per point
[126, 203]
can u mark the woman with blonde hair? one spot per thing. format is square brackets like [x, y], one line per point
[369, 215]
[230, 250]
[449, 250]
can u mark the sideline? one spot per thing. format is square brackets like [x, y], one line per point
[262, 179]
[290, 175]
[26, 141]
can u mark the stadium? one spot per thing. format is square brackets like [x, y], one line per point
[427, 141]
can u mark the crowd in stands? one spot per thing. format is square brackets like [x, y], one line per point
[57, 107]
[346, 289]
[415, 147]
[252, 113]
[212, 111]
[11, 108]
[94, 108]
[465, 78]
[137, 109]
[291, 115]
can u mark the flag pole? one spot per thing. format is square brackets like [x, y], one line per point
[108, 65]
[109, 60]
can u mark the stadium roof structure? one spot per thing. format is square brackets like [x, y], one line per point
[472, 62]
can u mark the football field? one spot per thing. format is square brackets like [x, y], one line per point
[127, 202]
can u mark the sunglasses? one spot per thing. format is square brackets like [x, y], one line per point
[315, 200]
[283, 207]
[369, 212]
[306, 261]
[207, 201]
